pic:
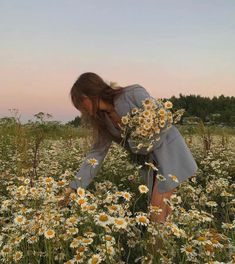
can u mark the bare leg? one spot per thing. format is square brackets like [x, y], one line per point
[157, 199]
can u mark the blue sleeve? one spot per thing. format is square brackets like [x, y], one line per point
[86, 172]
[139, 94]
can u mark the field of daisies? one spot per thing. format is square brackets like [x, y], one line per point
[109, 221]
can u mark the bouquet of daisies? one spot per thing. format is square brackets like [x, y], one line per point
[144, 126]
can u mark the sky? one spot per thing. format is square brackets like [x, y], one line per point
[168, 46]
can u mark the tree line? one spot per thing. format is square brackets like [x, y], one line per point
[215, 110]
[218, 110]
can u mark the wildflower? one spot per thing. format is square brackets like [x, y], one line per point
[188, 250]
[151, 165]
[147, 126]
[134, 110]
[228, 226]
[125, 120]
[61, 183]
[168, 104]
[89, 234]
[146, 113]
[92, 207]
[49, 233]
[72, 220]
[6, 250]
[18, 255]
[32, 239]
[140, 145]
[120, 222]
[93, 162]
[161, 112]
[75, 243]
[142, 219]
[27, 181]
[126, 195]
[81, 191]
[113, 208]
[109, 239]
[162, 123]
[95, 259]
[72, 231]
[86, 240]
[211, 203]
[177, 231]
[173, 177]
[110, 250]
[175, 199]
[81, 201]
[160, 177]
[103, 219]
[224, 193]
[201, 240]
[78, 258]
[143, 188]
[20, 220]
[147, 102]
[48, 180]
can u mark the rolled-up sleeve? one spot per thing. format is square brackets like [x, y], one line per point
[87, 172]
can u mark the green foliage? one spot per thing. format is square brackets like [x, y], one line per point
[217, 109]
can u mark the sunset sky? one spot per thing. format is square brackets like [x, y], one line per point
[168, 46]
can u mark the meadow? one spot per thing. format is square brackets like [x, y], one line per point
[109, 221]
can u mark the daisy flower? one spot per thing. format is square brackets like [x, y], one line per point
[95, 259]
[18, 255]
[143, 188]
[50, 233]
[211, 203]
[75, 243]
[48, 180]
[81, 191]
[141, 219]
[134, 110]
[168, 104]
[103, 219]
[120, 222]
[146, 113]
[188, 250]
[126, 195]
[81, 201]
[173, 177]
[160, 177]
[147, 102]
[93, 162]
[125, 120]
[20, 220]
[86, 240]
[151, 165]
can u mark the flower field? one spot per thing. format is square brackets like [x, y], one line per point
[109, 221]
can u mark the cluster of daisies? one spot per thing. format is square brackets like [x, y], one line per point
[144, 125]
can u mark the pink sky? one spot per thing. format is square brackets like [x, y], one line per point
[169, 49]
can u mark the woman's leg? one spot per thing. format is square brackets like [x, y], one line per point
[157, 199]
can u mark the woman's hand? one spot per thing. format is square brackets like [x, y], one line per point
[64, 202]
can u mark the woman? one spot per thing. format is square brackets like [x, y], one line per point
[103, 107]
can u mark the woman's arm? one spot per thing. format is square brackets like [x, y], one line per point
[86, 172]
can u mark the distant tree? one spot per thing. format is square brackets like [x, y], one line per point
[205, 107]
[76, 122]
